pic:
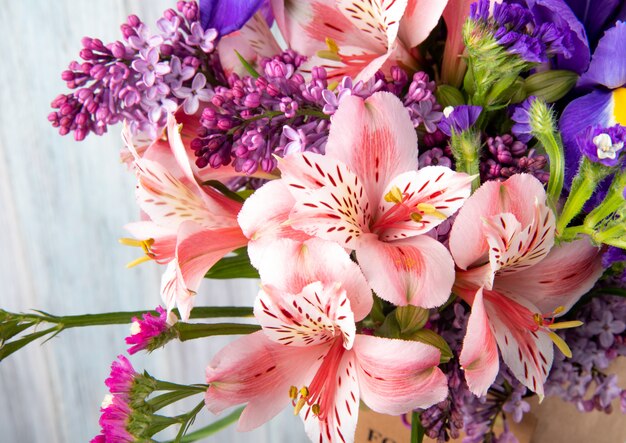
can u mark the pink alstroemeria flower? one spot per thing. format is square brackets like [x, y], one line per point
[309, 353]
[189, 226]
[516, 280]
[366, 195]
[357, 37]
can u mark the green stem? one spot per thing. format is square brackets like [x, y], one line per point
[583, 187]
[466, 150]
[417, 430]
[613, 201]
[572, 232]
[211, 429]
[554, 149]
[190, 331]
[616, 231]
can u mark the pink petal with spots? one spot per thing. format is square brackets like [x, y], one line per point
[435, 186]
[318, 314]
[375, 139]
[290, 265]
[415, 271]
[568, 272]
[397, 376]
[479, 356]
[259, 372]
[339, 401]
[164, 247]
[526, 349]
[517, 195]
[420, 18]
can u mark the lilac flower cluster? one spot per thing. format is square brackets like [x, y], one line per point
[123, 419]
[151, 331]
[279, 112]
[581, 380]
[139, 79]
[506, 156]
[515, 29]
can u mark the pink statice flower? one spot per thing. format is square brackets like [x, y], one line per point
[151, 331]
[311, 355]
[123, 410]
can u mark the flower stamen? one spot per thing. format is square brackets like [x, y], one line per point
[145, 245]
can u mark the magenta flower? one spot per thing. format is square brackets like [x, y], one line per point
[149, 332]
[309, 353]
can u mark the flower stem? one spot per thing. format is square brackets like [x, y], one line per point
[613, 201]
[190, 331]
[417, 430]
[212, 428]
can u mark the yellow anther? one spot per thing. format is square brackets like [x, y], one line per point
[394, 195]
[558, 310]
[179, 127]
[538, 318]
[304, 395]
[416, 216]
[333, 85]
[315, 409]
[560, 343]
[566, 324]
[293, 392]
[332, 45]
[138, 261]
[427, 208]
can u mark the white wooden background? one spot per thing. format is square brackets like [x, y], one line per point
[62, 208]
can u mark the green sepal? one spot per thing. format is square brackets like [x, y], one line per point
[248, 67]
[411, 319]
[449, 96]
[550, 85]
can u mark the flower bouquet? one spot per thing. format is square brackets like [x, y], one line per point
[432, 193]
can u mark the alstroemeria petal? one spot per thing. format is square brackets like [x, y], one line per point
[479, 356]
[569, 271]
[163, 249]
[517, 195]
[339, 406]
[290, 265]
[526, 349]
[259, 372]
[415, 271]
[608, 64]
[396, 376]
[431, 194]
[263, 219]
[420, 18]
[375, 139]
[314, 316]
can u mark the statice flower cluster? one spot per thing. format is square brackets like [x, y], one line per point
[151, 331]
[279, 112]
[504, 156]
[514, 28]
[583, 380]
[140, 79]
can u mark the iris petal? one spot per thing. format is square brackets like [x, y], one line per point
[608, 64]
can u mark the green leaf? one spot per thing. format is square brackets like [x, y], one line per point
[430, 337]
[9, 348]
[253, 73]
[449, 96]
[211, 429]
[224, 190]
[237, 266]
[411, 318]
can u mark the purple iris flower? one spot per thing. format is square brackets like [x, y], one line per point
[598, 16]
[604, 104]
[459, 119]
[227, 16]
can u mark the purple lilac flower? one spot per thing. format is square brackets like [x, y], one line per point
[514, 28]
[506, 156]
[279, 112]
[138, 79]
[459, 119]
[581, 380]
[603, 145]
[151, 331]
